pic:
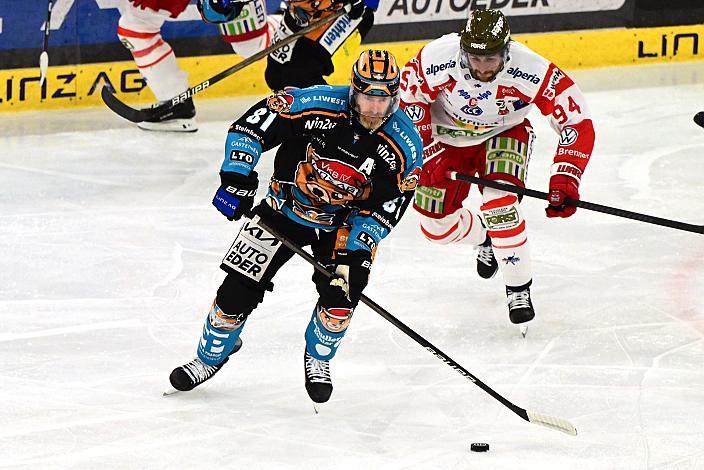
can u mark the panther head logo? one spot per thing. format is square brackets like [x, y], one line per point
[327, 181]
[280, 102]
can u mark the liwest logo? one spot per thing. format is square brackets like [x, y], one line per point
[515, 72]
[435, 68]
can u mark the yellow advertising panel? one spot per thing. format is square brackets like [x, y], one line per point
[79, 85]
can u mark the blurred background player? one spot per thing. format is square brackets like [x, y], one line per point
[343, 176]
[469, 94]
[248, 28]
[139, 30]
[311, 58]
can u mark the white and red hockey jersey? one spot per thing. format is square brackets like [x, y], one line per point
[448, 105]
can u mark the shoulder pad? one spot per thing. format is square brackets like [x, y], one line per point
[439, 58]
[402, 131]
[332, 98]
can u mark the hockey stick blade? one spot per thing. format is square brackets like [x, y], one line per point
[161, 110]
[699, 118]
[532, 417]
[551, 422]
[121, 109]
[44, 56]
[650, 219]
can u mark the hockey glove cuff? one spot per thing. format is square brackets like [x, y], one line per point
[351, 276]
[564, 184]
[235, 196]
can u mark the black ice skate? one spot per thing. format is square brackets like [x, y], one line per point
[318, 381]
[180, 118]
[520, 307]
[486, 262]
[189, 376]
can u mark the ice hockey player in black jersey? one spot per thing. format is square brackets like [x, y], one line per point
[343, 176]
[309, 59]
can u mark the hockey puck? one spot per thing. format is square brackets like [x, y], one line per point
[699, 118]
[479, 447]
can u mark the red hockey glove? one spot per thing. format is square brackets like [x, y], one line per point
[564, 183]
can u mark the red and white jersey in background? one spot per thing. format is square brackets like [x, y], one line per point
[448, 105]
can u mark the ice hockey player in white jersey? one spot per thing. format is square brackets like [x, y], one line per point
[469, 94]
[139, 30]
[247, 27]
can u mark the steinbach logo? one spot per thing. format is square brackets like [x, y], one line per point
[435, 68]
[515, 72]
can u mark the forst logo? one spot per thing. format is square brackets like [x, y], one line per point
[435, 68]
[515, 72]
[498, 220]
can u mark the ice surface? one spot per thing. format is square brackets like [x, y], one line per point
[110, 251]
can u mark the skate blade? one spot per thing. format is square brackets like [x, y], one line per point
[170, 391]
[524, 330]
[172, 125]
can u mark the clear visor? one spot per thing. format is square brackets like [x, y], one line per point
[373, 106]
[484, 67]
[483, 61]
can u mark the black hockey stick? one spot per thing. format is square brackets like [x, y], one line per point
[453, 175]
[44, 56]
[163, 108]
[699, 118]
[551, 422]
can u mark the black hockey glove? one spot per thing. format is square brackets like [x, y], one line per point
[351, 276]
[235, 196]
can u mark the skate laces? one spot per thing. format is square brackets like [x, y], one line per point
[317, 370]
[198, 370]
[486, 254]
[519, 299]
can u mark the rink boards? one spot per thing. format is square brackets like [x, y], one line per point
[79, 85]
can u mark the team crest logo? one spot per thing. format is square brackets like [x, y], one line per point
[334, 320]
[410, 182]
[513, 259]
[280, 102]
[326, 181]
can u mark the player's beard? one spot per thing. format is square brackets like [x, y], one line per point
[485, 76]
[370, 123]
